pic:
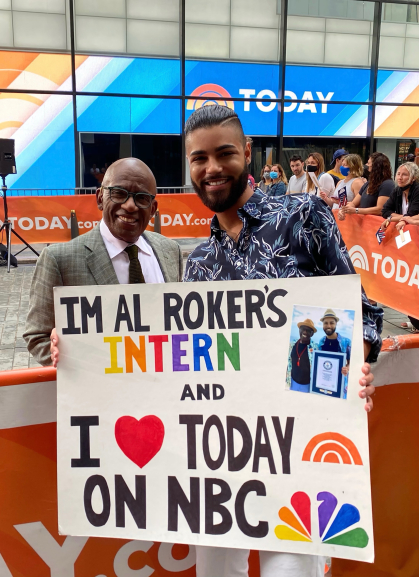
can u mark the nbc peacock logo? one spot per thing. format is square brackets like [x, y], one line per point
[213, 93]
[333, 523]
[332, 448]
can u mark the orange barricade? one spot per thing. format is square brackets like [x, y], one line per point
[389, 275]
[46, 219]
[394, 450]
[29, 542]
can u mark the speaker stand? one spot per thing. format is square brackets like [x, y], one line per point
[8, 227]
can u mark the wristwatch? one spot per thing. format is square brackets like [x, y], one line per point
[357, 210]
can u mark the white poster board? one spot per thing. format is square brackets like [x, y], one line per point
[177, 421]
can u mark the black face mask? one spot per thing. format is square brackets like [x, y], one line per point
[403, 188]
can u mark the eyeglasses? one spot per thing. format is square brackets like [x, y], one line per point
[120, 196]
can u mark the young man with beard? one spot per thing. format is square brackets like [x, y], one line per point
[334, 342]
[254, 236]
[297, 181]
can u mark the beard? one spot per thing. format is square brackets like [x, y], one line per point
[226, 200]
[330, 332]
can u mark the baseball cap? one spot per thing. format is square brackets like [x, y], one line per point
[338, 153]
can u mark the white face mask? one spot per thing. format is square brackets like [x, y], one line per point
[266, 175]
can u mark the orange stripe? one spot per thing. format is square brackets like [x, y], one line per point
[7, 77]
[80, 59]
[18, 96]
[16, 60]
[413, 131]
[10, 124]
[413, 96]
[24, 376]
[54, 67]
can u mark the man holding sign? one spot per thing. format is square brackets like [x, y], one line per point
[257, 237]
[253, 237]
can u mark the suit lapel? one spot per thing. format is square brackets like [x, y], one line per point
[162, 257]
[98, 260]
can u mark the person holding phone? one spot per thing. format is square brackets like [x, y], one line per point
[325, 185]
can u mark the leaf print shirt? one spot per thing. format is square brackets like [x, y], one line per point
[282, 237]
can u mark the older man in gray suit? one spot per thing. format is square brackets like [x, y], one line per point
[118, 250]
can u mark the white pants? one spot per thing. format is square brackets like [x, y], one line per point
[221, 562]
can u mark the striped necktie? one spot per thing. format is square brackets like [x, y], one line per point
[135, 271]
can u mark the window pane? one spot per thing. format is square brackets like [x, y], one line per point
[42, 128]
[123, 114]
[100, 34]
[155, 10]
[399, 39]
[49, 6]
[207, 41]
[336, 32]
[114, 8]
[232, 29]
[397, 121]
[153, 38]
[129, 75]
[201, 11]
[35, 71]
[44, 31]
[307, 119]
[6, 29]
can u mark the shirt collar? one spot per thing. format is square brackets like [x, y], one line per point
[252, 208]
[115, 246]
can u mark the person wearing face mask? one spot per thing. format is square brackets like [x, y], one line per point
[265, 176]
[351, 170]
[279, 181]
[327, 185]
[337, 160]
[404, 200]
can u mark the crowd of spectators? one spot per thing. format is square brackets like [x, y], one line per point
[353, 187]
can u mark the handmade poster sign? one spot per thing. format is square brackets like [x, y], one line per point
[175, 423]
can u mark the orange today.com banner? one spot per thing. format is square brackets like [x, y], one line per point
[389, 275]
[46, 219]
[30, 545]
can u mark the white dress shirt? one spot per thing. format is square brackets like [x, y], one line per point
[116, 250]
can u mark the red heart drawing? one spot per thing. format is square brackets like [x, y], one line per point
[139, 440]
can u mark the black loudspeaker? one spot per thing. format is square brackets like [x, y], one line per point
[7, 156]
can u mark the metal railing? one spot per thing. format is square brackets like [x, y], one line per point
[85, 190]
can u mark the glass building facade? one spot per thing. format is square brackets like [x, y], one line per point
[85, 82]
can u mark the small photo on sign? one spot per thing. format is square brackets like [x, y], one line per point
[320, 351]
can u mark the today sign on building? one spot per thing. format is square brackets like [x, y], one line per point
[177, 423]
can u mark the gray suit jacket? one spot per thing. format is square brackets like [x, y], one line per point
[82, 261]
